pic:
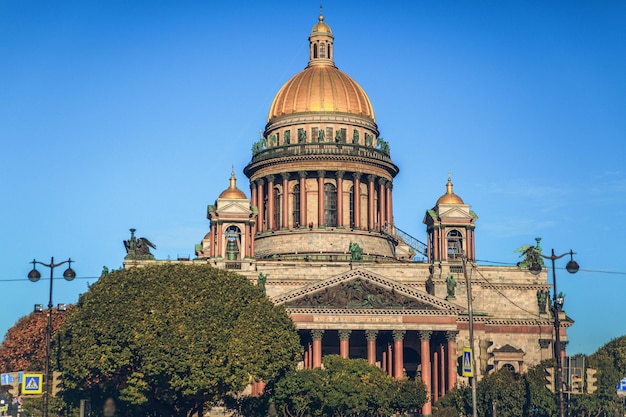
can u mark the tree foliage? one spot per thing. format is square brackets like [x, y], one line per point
[23, 348]
[165, 340]
[345, 387]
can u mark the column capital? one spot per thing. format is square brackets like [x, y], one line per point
[389, 185]
[285, 175]
[302, 174]
[321, 173]
[371, 178]
[270, 178]
[424, 334]
[564, 344]
[398, 334]
[317, 334]
[357, 176]
[371, 335]
[340, 174]
[382, 181]
[451, 335]
[258, 181]
[344, 334]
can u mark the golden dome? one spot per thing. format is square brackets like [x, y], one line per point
[232, 191]
[449, 197]
[321, 26]
[321, 88]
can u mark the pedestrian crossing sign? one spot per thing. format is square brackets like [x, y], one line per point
[468, 369]
[32, 384]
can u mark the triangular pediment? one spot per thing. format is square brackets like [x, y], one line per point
[363, 290]
[457, 212]
[233, 207]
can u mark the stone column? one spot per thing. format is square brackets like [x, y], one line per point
[426, 368]
[320, 198]
[344, 343]
[436, 243]
[220, 240]
[251, 240]
[389, 360]
[429, 239]
[260, 223]
[356, 199]
[370, 202]
[398, 350]
[270, 202]
[340, 175]
[442, 370]
[310, 355]
[285, 214]
[253, 197]
[435, 376]
[389, 186]
[317, 335]
[451, 338]
[212, 240]
[305, 360]
[382, 205]
[302, 175]
[383, 361]
[371, 336]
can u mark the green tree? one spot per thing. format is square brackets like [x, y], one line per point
[345, 387]
[165, 340]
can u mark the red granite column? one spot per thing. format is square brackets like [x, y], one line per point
[435, 376]
[252, 241]
[442, 370]
[303, 221]
[382, 205]
[260, 224]
[356, 200]
[389, 186]
[320, 198]
[389, 360]
[398, 353]
[317, 347]
[436, 244]
[310, 355]
[270, 202]
[344, 343]
[451, 337]
[426, 369]
[253, 199]
[306, 359]
[220, 239]
[212, 240]
[285, 210]
[371, 346]
[340, 198]
[370, 202]
[383, 361]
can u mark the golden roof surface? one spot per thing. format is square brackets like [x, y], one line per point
[321, 26]
[321, 88]
[449, 197]
[232, 191]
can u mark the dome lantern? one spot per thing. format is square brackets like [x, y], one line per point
[449, 197]
[232, 191]
[321, 43]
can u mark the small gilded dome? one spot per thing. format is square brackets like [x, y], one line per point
[232, 191]
[321, 27]
[449, 197]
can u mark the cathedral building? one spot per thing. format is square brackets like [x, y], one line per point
[318, 233]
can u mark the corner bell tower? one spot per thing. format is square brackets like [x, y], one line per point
[450, 227]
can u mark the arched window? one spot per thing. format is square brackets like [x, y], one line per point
[508, 367]
[296, 206]
[232, 235]
[352, 206]
[314, 50]
[277, 206]
[455, 244]
[329, 54]
[322, 50]
[330, 205]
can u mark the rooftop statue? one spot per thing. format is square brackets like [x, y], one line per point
[531, 254]
[138, 249]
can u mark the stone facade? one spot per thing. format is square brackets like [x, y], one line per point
[319, 225]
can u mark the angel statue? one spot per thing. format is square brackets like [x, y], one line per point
[138, 249]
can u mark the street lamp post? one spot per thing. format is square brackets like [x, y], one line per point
[34, 276]
[557, 304]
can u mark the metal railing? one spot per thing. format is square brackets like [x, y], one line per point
[321, 148]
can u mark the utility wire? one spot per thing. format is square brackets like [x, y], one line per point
[598, 271]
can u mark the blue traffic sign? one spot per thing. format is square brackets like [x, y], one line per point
[622, 385]
[6, 379]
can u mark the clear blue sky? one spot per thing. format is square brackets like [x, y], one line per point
[119, 114]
